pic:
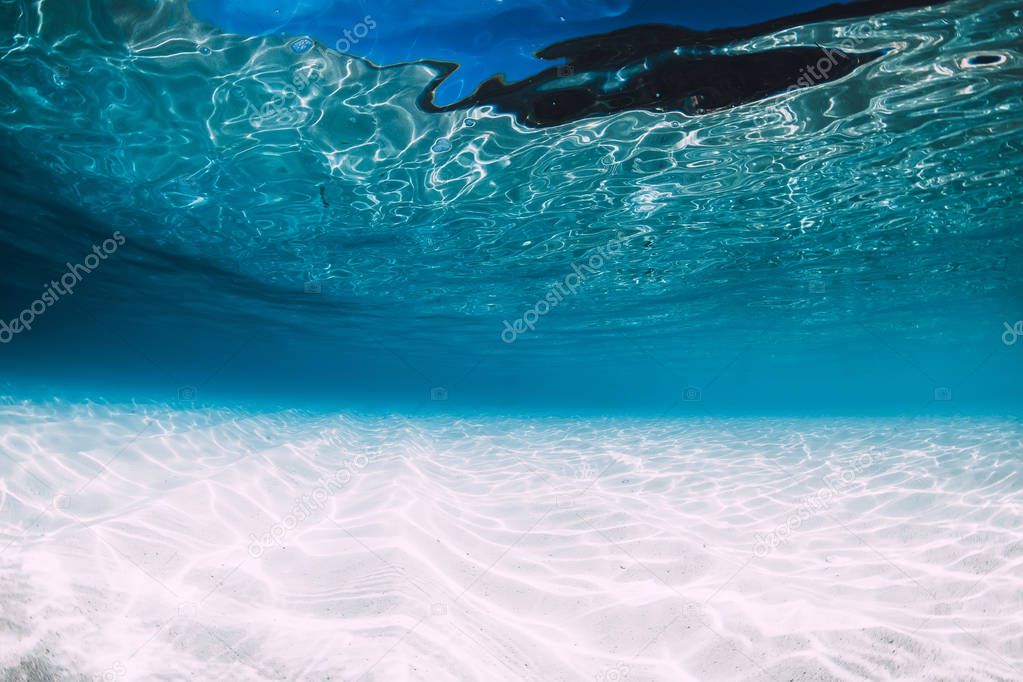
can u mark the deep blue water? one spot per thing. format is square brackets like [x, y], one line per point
[297, 231]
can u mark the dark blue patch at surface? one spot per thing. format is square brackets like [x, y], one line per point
[484, 39]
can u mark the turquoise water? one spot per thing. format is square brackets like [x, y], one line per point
[675, 361]
[298, 232]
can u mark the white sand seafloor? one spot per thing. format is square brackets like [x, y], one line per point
[139, 543]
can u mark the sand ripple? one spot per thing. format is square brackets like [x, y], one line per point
[149, 544]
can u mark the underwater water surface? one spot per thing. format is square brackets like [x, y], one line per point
[297, 229]
[593, 339]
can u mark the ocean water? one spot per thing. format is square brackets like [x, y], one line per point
[301, 379]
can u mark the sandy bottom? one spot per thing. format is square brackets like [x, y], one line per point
[145, 544]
